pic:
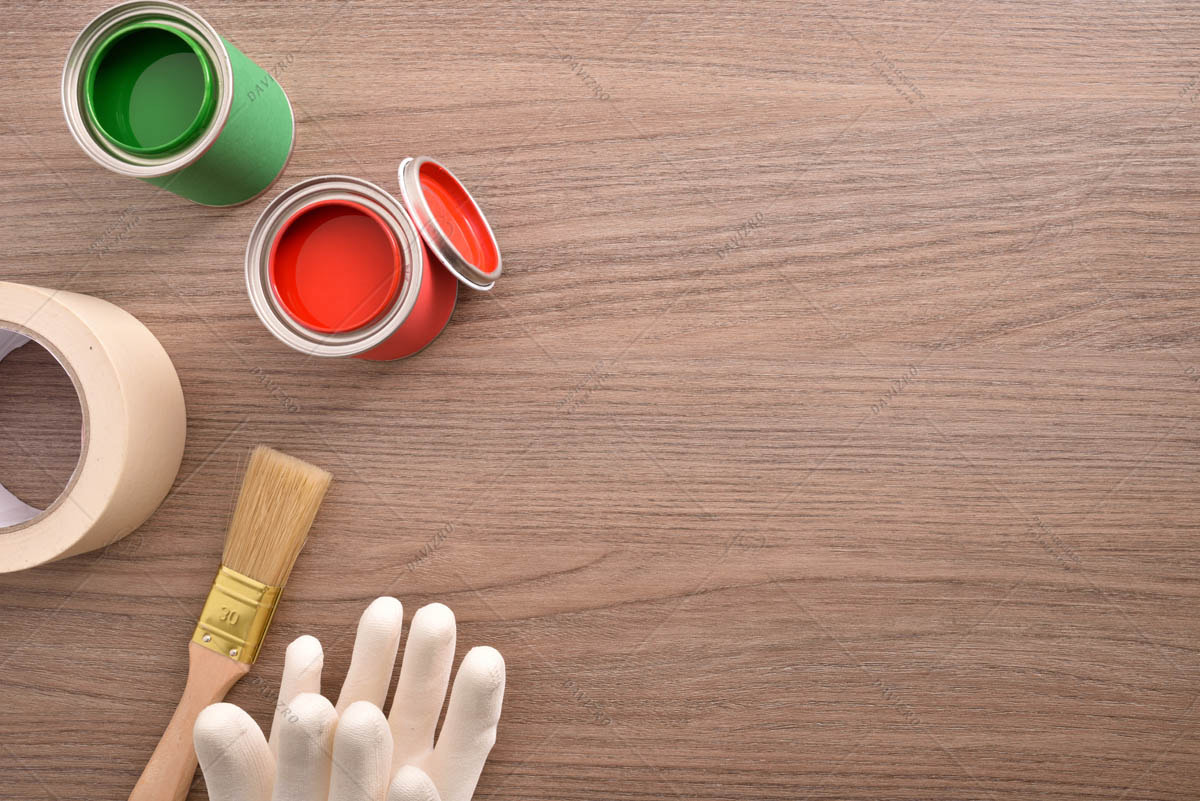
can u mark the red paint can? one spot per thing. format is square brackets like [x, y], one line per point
[336, 266]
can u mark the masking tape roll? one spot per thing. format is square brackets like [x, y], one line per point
[133, 424]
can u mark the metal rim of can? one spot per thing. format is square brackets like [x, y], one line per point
[413, 197]
[96, 146]
[270, 222]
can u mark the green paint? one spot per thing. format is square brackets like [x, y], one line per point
[150, 89]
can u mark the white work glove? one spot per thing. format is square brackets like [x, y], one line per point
[319, 752]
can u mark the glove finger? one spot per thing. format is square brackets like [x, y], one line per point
[374, 657]
[412, 784]
[305, 750]
[469, 731]
[301, 674]
[421, 689]
[233, 754]
[362, 755]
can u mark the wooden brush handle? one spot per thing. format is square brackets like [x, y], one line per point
[168, 774]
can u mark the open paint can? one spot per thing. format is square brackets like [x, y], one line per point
[336, 266]
[152, 91]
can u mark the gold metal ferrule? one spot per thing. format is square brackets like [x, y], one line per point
[236, 615]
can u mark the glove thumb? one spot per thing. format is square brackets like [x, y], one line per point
[233, 754]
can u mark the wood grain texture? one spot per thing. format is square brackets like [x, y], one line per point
[832, 432]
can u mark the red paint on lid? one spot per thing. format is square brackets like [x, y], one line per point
[458, 217]
[335, 266]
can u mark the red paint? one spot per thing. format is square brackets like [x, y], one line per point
[459, 217]
[335, 266]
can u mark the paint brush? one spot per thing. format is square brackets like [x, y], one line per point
[279, 499]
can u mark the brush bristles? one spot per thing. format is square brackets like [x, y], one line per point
[279, 499]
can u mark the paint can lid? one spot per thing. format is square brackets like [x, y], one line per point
[450, 222]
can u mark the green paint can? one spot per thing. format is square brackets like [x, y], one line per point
[152, 91]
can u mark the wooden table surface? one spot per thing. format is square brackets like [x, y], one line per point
[832, 432]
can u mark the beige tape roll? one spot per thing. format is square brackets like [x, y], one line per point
[133, 424]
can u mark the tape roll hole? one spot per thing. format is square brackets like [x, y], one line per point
[150, 89]
[459, 218]
[41, 421]
[335, 266]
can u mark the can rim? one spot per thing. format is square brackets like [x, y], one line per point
[435, 238]
[262, 236]
[73, 89]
